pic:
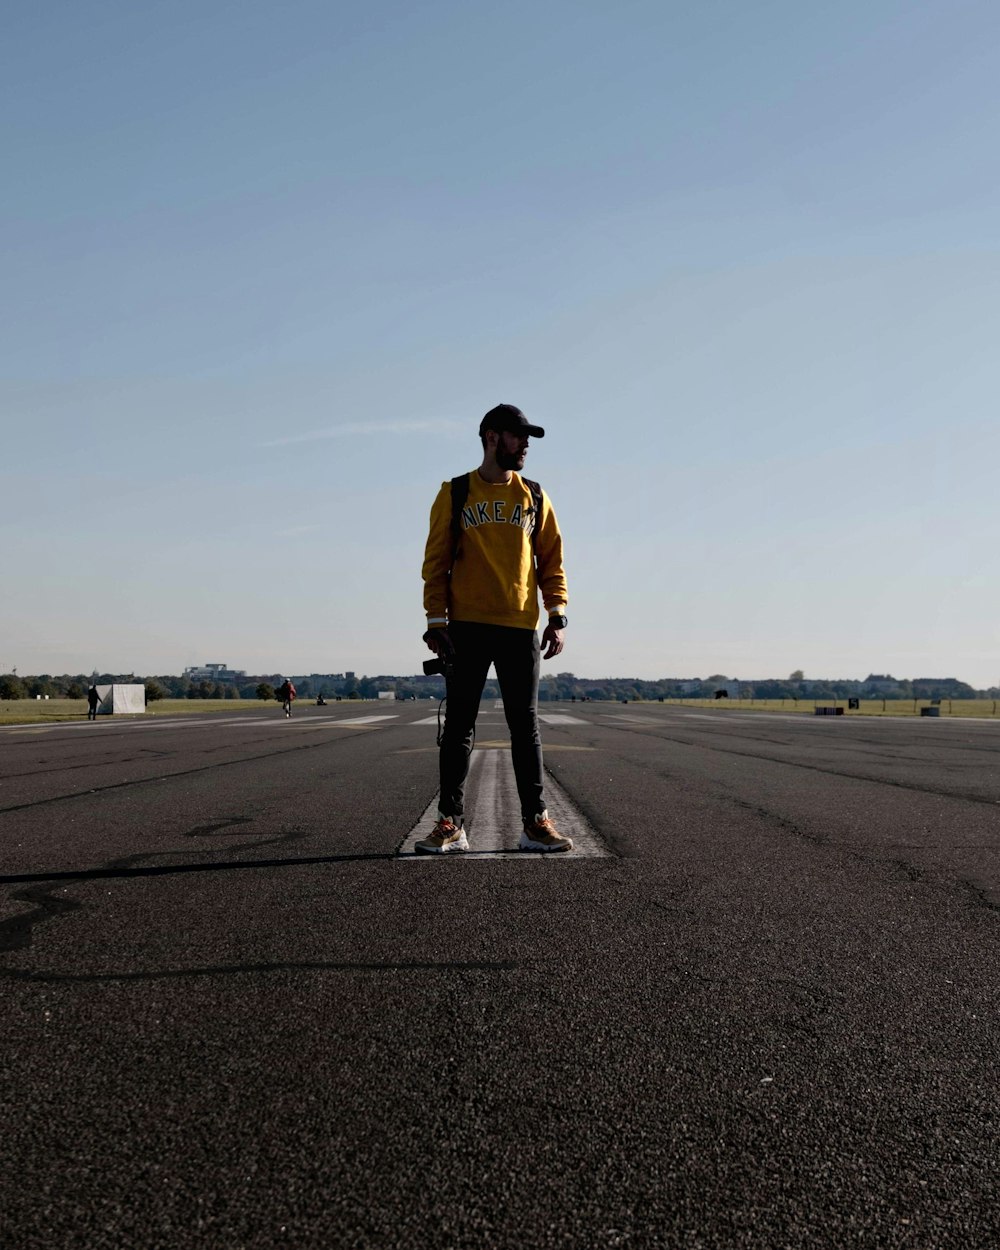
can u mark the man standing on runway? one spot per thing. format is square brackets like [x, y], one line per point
[494, 543]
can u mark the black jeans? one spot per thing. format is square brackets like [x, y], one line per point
[515, 653]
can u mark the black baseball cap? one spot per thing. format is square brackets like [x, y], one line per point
[505, 417]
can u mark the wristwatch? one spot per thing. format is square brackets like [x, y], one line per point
[559, 621]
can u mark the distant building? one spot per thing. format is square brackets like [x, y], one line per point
[214, 672]
[879, 683]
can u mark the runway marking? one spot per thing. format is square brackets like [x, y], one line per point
[549, 718]
[482, 719]
[269, 722]
[546, 747]
[492, 746]
[433, 720]
[493, 823]
[331, 722]
[228, 722]
[109, 722]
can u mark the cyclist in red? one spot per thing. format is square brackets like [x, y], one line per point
[286, 692]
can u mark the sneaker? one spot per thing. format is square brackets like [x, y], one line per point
[541, 834]
[445, 836]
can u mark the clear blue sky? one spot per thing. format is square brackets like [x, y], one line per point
[266, 265]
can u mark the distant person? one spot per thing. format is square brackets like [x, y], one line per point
[320, 701]
[494, 543]
[93, 699]
[286, 692]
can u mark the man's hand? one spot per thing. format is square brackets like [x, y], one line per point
[552, 639]
[439, 642]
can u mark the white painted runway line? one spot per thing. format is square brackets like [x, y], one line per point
[229, 722]
[291, 722]
[268, 722]
[369, 720]
[36, 727]
[561, 718]
[749, 717]
[493, 821]
[224, 722]
[484, 718]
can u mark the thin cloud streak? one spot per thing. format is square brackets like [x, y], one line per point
[294, 531]
[433, 426]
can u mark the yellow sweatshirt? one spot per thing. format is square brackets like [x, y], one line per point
[494, 581]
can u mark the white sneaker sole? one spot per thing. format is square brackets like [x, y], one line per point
[460, 844]
[526, 844]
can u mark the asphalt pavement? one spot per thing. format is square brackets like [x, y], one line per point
[763, 1015]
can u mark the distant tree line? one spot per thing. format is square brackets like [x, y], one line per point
[561, 686]
[567, 686]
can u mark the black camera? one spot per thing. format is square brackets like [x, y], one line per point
[442, 663]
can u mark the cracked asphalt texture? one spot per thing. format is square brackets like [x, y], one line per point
[231, 1018]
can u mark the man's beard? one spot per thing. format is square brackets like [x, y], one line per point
[508, 460]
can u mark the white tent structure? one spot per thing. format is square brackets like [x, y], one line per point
[131, 698]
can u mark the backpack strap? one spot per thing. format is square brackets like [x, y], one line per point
[459, 494]
[536, 502]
